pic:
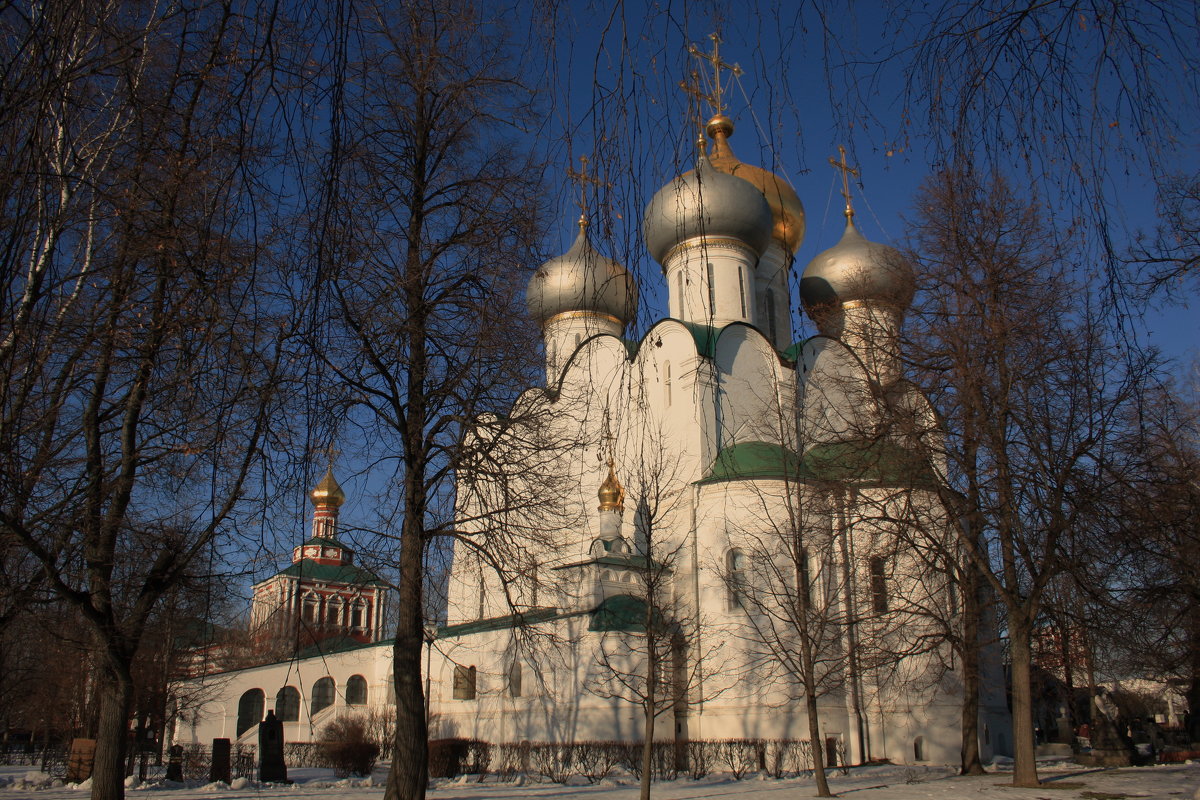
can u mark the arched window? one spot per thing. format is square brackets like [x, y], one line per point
[735, 563]
[742, 287]
[514, 679]
[464, 682]
[250, 710]
[919, 748]
[772, 332]
[322, 696]
[287, 704]
[712, 291]
[356, 691]
[679, 305]
[805, 576]
[879, 590]
[667, 382]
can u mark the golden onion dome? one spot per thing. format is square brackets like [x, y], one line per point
[787, 212]
[611, 494]
[328, 492]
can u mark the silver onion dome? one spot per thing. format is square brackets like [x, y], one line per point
[706, 202]
[857, 270]
[582, 279]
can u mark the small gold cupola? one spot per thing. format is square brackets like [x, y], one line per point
[611, 494]
[328, 492]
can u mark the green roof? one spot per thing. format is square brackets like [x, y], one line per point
[705, 336]
[754, 460]
[330, 573]
[879, 462]
[498, 623]
[334, 644]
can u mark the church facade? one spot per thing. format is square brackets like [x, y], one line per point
[740, 522]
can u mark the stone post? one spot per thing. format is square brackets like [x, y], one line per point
[271, 768]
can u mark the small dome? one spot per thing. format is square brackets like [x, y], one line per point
[581, 279]
[706, 202]
[611, 493]
[856, 270]
[787, 212]
[328, 492]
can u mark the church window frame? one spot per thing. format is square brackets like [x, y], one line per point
[680, 305]
[742, 288]
[309, 605]
[735, 564]
[333, 611]
[667, 383]
[712, 290]
[287, 704]
[324, 695]
[358, 614]
[465, 677]
[919, 749]
[879, 588]
[515, 679]
[356, 690]
[772, 323]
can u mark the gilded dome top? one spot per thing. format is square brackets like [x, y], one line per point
[611, 494]
[787, 212]
[706, 202]
[328, 491]
[582, 279]
[857, 270]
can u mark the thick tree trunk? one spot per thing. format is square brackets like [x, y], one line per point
[116, 697]
[972, 610]
[1024, 754]
[409, 774]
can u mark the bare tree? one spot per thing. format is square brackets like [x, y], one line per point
[1030, 388]
[432, 217]
[137, 356]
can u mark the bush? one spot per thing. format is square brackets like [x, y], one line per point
[348, 746]
[449, 758]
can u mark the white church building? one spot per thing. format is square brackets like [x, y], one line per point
[748, 519]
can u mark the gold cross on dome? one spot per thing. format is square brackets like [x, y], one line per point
[582, 179]
[846, 171]
[714, 58]
[331, 453]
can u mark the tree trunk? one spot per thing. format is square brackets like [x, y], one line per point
[409, 774]
[814, 738]
[1024, 755]
[647, 749]
[116, 697]
[970, 673]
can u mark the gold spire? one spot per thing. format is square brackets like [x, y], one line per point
[714, 59]
[846, 171]
[611, 494]
[583, 180]
[328, 492]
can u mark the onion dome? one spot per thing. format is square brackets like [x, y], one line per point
[706, 202]
[787, 212]
[328, 492]
[582, 279]
[611, 494]
[857, 270]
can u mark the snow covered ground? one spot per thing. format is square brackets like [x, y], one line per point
[1063, 781]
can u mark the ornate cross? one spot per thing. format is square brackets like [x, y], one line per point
[582, 179]
[846, 171]
[713, 58]
[331, 453]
